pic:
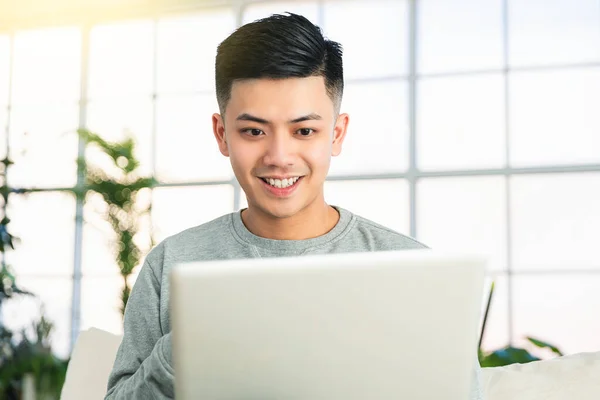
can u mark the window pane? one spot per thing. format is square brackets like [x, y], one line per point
[382, 201]
[121, 59]
[101, 303]
[4, 68]
[377, 139]
[559, 309]
[3, 127]
[554, 117]
[114, 119]
[374, 36]
[556, 221]
[461, 35]
[100, 241]
[496, 333]
[177, 209]
[47, 66]
[187, 48]
[556, 31]
[45, 224]
[43, 145]
[308, 9]
[55, 295]
[186, 147]
[461, 123]
[464, 214]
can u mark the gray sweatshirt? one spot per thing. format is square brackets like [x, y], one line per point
[143, 368]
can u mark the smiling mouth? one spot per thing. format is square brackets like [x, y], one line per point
[281, 183]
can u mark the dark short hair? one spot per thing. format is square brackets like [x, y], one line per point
[278, 47]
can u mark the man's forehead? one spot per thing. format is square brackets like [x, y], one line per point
[286, 98]
[311, 83]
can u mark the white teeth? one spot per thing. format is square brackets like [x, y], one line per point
[282, 183]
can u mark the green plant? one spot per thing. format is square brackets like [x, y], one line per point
[32, 357]
[508, 354]
[8, 287]
[119, 191]
[18, 358]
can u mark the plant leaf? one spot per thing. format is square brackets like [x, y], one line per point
[542, 344]
[506, 356]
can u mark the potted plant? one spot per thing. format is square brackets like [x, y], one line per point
[119, 190]
[20, 356]
[509, 354]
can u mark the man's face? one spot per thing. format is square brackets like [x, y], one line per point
[280, 136]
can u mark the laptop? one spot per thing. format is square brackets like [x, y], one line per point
[353, 326]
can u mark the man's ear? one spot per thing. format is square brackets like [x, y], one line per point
[339, 133]
[219, 132]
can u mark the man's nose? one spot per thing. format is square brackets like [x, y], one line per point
[280, 151]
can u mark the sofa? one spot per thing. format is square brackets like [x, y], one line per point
[572, 377]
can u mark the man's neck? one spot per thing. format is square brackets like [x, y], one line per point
[314, 221]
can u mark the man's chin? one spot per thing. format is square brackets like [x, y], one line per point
[279, 211]
[281, 214]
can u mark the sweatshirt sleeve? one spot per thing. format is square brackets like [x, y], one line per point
[143, 365]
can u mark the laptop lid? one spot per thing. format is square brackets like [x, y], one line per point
[380, 325]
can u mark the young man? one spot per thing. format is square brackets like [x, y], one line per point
[279, 88]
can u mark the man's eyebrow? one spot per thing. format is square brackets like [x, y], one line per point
[308, 117]
[249, 117]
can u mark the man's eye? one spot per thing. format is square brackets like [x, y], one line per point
[305, 131]
[253, 132]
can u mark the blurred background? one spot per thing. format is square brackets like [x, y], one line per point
[475, 125]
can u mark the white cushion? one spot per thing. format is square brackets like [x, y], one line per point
[91, 362]
[573, 377]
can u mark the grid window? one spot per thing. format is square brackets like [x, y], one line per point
[377, 137]
[560, 309]
[381, 49]
[101, 302]
[99, 237]
[58, 51]
[556, 222]
[547, 32]
[3, 128]
[464, 214]
[53, 238]
[188, 148]
[187, 47]
[53, 298]
[461, 132]
[121, 59]
[4, 69]
[43, 145]
[43, 261]
[201, 204]
[473, 126]
[116, 119]
[98, 248]
[554, 117]
[382, 201]
[459, 35]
